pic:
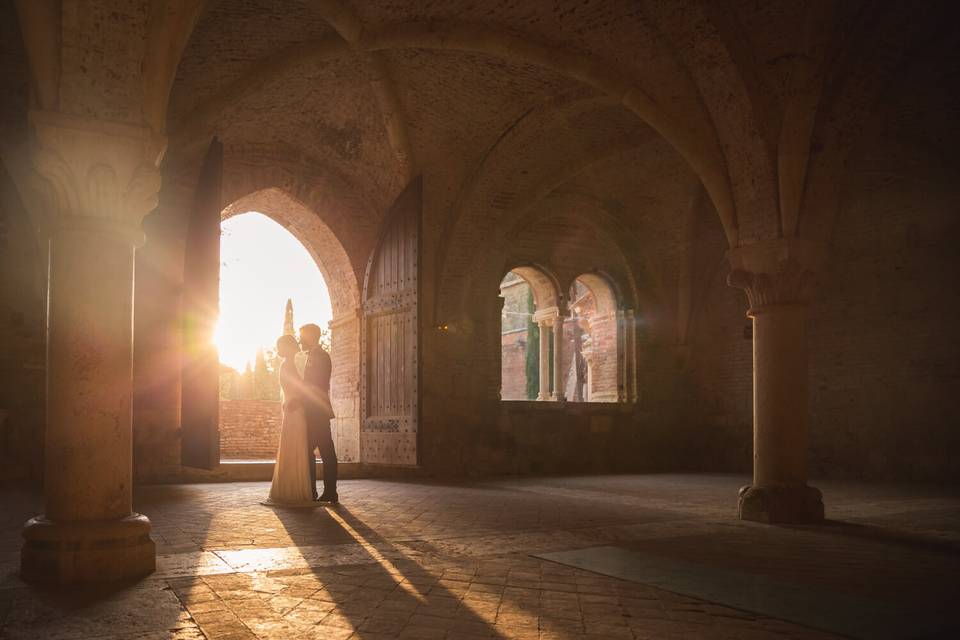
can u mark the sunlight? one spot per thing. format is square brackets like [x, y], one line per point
[261, 266]
[381, 559]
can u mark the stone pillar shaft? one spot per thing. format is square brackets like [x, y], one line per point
[89, 376]
[558, 391]
[778, 278]
[780, 396]
[92, 181]
[544, 361]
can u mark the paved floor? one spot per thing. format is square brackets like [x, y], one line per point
[441, 560]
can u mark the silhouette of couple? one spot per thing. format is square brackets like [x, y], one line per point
[307, 413]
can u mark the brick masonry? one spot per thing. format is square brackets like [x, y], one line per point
[249, 429]
[513, 355]
[525, 163]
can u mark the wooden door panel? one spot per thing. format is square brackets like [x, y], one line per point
[200, 378]
[389, 426]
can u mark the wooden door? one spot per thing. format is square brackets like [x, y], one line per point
[390, 337]
[200, 377]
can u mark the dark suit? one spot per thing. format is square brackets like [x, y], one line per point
[316, 375]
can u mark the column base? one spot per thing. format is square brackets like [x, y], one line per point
[787, 505]
[91, 551]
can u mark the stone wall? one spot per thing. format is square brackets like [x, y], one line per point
[513, 355]
[525, 161]
[249, 429]
[22, 341]
[884, 356]
[344, 387]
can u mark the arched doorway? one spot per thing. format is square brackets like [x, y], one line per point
[269, 285]
[330, 265]
[200, 373]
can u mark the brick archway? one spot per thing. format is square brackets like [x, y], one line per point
[596, 370]
[339, 275]
[307, 227]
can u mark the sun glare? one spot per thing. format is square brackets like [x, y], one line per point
[261, 266]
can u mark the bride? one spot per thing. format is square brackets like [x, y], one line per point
[291, 473]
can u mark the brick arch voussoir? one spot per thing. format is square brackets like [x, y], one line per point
[542, 281]
[290, 206]
[605, 290]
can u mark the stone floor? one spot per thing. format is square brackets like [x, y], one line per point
[455, 560]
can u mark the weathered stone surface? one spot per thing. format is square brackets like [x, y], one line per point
[449, 559]
[637, 140]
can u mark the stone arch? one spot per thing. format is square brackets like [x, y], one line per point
[314, 234]
[604, 291]
[599, 344]
[633, 281]
[328, 210]
[516, 341]
[340, 276]
[633, 284]
[501, 199]
[545, 287]
[692, 134]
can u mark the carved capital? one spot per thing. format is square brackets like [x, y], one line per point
[92, 173]
[781, 272]
[550, 315]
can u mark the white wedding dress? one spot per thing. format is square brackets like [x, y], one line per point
[291, 473]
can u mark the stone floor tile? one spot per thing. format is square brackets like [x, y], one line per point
[415, 632]
[455, 560]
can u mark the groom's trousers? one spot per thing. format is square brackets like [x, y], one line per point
[318, 431]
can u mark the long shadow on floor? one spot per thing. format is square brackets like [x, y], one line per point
[388, 590]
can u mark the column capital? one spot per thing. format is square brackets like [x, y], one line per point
[549, 315]
[785, 271]
[91, 173]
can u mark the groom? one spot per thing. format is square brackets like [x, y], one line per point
[319, 413]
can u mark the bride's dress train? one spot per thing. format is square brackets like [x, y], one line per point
[291, 473]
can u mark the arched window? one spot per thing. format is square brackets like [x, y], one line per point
[592, 362]
[526, 339]
[519, 341]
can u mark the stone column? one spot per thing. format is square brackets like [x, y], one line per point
[94, 181]
[544, 360]
[779, 278]
[558, 390]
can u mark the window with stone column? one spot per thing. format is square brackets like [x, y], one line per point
[528, 309]
[591, 366]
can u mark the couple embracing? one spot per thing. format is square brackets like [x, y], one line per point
[307, 413]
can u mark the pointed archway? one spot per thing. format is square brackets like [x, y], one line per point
[334, 265]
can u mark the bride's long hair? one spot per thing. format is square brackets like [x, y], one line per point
[287, 343]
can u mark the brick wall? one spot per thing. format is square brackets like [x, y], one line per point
[603, 358]
[574, 183]
[249, 429]
[157, 321]
[513, 356]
